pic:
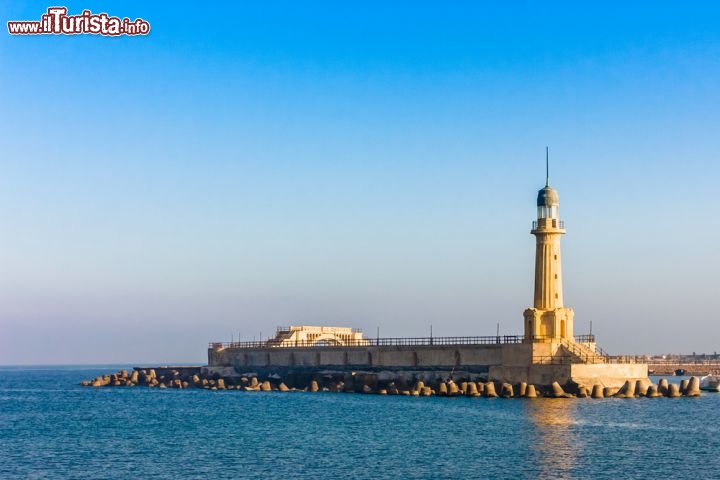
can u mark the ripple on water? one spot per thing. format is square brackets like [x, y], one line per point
[50, 428]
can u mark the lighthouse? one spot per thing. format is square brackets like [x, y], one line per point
[548, 320]
[549, 352]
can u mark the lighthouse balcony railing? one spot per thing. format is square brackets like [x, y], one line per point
[554, 223]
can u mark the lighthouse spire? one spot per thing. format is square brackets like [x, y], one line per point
[547, 167]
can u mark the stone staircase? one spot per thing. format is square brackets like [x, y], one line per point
[281, 335]
[582, 353]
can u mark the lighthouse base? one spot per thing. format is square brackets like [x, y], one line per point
[549, 324]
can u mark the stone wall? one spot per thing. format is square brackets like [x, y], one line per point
[466, 357]
[608, 375]
[605, 374]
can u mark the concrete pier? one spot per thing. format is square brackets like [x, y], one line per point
[510, 359]
[548, 353]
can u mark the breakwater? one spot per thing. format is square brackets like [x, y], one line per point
[426, 384]
[695, 368]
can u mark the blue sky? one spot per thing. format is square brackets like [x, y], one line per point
[362, 164]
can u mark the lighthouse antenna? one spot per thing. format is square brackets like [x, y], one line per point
[547, 168]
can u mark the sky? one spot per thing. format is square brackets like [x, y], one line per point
[368, 164]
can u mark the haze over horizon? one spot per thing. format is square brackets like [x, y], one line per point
[250, 166]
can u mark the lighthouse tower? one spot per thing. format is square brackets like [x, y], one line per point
[548, 320]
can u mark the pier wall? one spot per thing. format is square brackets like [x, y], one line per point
[513, 363]
[605, 374]
[466, 357]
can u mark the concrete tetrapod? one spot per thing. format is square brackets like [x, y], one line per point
[652, 392]
[98, 382]
[609, 391]
[490, 390]
[506, 390]
[442, 389]
[530, 391]
[481, 388]
[472, 390]
[673, 391]
[627, 390]
[620, 392]
[314, 386]
[597, 391]
[663, 386]
[558, 392]
[523, 389]
[644, 383]
[684, 386]
[693, 387]
[453, 390]
[638, 391]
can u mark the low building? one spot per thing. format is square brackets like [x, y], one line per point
[311, 336]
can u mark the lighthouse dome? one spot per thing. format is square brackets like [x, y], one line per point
[547, 197]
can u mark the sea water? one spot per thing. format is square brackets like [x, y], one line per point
[50, 427]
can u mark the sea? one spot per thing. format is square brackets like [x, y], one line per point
[51, 427]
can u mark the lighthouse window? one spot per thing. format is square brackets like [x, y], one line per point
[555, 257]
[548, 211]
[556, 276]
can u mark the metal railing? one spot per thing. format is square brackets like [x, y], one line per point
[584, 352]
[400, 341]
[585, 338]
[553, 224]
[576, 353]
[571, 359]
[288, 329]
[383, 342]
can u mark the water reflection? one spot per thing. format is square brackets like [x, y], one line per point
[556, 445]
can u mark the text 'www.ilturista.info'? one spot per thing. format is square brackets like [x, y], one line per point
[57, 22]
